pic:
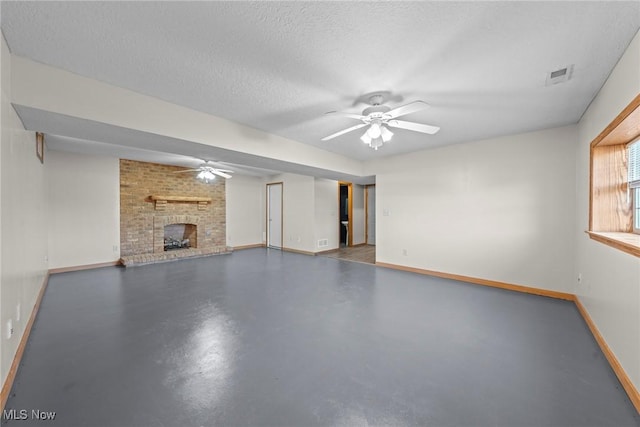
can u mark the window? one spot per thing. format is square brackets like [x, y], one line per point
[633, 163]
[636, 210]
[614, 214]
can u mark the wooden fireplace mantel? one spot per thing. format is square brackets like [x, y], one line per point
[185, 199]
[162, 200]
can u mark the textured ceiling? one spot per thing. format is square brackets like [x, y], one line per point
[279, 66]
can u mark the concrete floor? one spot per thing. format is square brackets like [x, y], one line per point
[268, 338]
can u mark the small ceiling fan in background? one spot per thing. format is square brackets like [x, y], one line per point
[380, 117]
[207, 172]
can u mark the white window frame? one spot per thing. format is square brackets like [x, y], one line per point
[633, 166]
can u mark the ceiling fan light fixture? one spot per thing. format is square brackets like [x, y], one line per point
[207, 173]
[376, 143]
[374, 131]
[386, 134]
[378, 118]
[206, 176]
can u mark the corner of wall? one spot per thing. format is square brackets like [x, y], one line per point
[609, 288]
[23, 222]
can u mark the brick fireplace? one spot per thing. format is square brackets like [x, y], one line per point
[154, 197]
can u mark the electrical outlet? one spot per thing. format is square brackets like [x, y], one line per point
[298, 239]
[404, 252]
[386, 212]
[579, 277]
[9, 329]
[46, 258]
[115, 248]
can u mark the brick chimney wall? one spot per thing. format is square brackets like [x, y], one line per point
[140, 180]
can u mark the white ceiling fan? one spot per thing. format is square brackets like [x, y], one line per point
[380, 117]
[207, 172]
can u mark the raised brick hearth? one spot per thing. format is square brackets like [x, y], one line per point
[153, 196]
[132, 260]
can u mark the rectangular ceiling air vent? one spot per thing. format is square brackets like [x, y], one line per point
[559, 76]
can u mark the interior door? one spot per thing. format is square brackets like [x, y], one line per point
[371, 214]
[274, 215]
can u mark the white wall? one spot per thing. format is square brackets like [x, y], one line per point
[298, 212]
[245, 196]
[499, 209]
[326, 213]
[84, 209]
[23, 216]
[310, 209]
[610, 286]
[358, 214]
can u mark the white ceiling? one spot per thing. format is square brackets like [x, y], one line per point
[279, 66]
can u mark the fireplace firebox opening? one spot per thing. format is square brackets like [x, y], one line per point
[180, 236]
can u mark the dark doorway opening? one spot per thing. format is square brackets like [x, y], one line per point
[345, 194]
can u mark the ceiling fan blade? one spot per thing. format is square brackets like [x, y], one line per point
[342, 132]
[187, 170]
[224, 170]
[220, 173]
[407, 109]
[350, 115]
[416, 127]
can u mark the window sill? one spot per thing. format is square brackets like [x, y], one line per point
[626, 242]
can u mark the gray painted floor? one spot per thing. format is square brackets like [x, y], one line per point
[262, 337]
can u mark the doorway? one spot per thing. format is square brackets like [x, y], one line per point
[274, 215]
[370, 214]
[345, 203]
